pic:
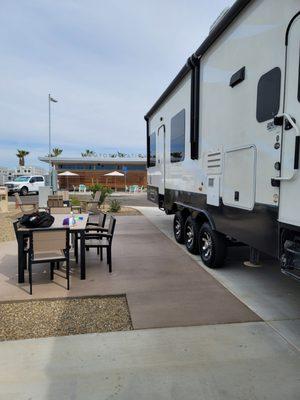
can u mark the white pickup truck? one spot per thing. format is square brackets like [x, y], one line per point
[25, 184]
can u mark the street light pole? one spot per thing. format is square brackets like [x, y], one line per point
[50, 164]
[49, 106]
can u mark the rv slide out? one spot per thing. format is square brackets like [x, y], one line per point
[223, 139]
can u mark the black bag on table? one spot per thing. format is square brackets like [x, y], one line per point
[37, 220]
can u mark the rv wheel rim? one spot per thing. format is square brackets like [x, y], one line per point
[190, 236]
[177, 228]
[206, 245]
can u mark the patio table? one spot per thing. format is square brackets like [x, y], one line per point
[78, 230]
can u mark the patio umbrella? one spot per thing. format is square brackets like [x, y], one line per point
[67, 174]
[115, 174]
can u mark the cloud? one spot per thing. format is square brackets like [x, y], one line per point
[105, 62]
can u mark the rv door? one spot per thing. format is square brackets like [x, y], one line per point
[161, 161]
[289, 207]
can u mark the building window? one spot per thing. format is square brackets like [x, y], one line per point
[152, 147]
[268, 95]
[178, 137]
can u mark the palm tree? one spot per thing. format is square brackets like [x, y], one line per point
[56, 152]
[21, 154]
[88, 153]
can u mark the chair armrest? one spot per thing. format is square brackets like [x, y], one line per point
[92, 229]
[98, 229]
[107, 235]
[99, 235]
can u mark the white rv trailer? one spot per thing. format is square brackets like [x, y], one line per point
[223, 139]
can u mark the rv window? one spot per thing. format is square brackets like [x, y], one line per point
[268, 95]
[299, 80]
[178, 137]
[152, 161]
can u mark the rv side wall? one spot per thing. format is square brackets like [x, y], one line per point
[239, 144]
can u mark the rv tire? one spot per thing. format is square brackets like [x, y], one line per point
[191, 232]
[212, 246]
[178, 227]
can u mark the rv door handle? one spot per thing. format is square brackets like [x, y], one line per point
[289, 123]
[297, 149]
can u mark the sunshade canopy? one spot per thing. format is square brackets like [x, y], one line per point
[114, 173]
[67, 173]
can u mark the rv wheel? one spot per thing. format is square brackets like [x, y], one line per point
[178, 227]
[212, 247]
[191, 230]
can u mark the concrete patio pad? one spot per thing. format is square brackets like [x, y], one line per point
[247, 361]
[164, 287]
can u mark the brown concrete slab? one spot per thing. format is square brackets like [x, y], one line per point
[164, 286]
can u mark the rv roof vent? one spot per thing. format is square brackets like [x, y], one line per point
[220, 17]
[214, 162]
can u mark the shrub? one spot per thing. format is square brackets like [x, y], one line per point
[105, 191]
[75, 201]
[114, 206]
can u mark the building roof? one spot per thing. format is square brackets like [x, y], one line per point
[95, 160]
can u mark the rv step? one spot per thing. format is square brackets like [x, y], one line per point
[293, 250]
[292, 273]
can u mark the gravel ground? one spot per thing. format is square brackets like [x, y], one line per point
[61, 317]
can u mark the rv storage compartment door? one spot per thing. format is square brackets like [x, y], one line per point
[239, 177]
[213, 190]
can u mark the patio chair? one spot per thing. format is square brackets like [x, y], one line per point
[49, 246]
[60, 210]
[82, 188]
[26, 208]
[101, 238]
[91, 206]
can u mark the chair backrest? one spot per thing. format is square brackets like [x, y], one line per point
[64, 194]
[18, 199]
[16, 225]
[49, 240]
[102, 219]
[111, 226]
[98, 219]
[60, 210]
[55, 201]
[97, 195]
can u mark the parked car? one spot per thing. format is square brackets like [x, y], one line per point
[25, 184]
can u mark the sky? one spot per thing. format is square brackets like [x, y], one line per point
[106, 62]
